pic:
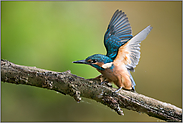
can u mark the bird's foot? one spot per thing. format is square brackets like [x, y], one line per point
[99, 78]
[118, 89]
[103, 80]
[106, 83]
[132, 90]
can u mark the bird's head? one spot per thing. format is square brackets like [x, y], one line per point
[98, 61]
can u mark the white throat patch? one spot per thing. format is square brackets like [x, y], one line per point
[107, 65]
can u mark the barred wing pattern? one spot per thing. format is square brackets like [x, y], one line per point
[117, 34]
[129, 53]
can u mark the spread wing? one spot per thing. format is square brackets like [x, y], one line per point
[117, 34]
[129, 53]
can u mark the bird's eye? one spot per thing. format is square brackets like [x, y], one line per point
[93, 61]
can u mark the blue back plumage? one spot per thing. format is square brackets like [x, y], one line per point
[117, 34]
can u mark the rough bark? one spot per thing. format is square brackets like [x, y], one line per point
[77, 87]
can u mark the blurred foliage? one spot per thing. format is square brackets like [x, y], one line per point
[50, 35]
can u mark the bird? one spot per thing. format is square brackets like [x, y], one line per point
[123, 53]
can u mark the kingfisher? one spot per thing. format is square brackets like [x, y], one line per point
[123, 53]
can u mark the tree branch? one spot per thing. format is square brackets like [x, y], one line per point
[77, 87]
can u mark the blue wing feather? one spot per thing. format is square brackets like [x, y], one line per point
[117, 34]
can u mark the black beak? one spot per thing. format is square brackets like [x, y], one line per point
[80, 62]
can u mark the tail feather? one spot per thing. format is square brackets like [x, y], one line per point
[132, 80]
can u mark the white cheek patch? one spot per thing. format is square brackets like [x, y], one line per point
[107, 65]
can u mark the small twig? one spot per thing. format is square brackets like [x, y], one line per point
[77, 87]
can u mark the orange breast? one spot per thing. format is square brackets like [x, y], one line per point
[119, 75]
[109, 74]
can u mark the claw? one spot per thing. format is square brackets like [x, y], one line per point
[102, 82]
[102, 78]
[109, 84]
[106, 82]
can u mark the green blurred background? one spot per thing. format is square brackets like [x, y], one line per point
[50, 35]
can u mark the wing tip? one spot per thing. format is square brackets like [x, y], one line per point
[150, 27]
